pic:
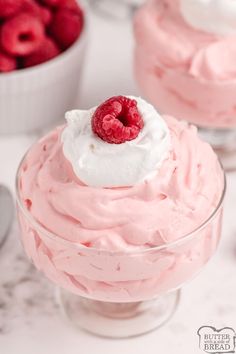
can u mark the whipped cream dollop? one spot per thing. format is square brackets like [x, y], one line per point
[100, 164]
[213, 16]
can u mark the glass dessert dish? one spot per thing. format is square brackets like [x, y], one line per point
[118, 270]
[137, 292]
[190, 76]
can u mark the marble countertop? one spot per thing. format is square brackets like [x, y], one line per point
[30, 320]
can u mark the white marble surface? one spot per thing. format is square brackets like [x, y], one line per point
[30, 322]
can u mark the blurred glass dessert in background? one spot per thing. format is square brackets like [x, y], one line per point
[185, 64]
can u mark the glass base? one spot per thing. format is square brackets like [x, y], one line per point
[118, 320]
[223, 142]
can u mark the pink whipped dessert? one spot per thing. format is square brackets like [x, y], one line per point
[106, 202]
[185, 59]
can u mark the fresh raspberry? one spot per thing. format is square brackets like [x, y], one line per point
[7, 63]
[71, 5]
[68, 4]
[22, 35]
[47, 51]
[41, 12]
[46, 15]
[52, 3]
[9, 7]
[117, 120]
[66, 27]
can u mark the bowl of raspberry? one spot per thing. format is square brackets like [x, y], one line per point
[42, 48]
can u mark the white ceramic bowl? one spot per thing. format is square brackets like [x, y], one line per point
[35, 98]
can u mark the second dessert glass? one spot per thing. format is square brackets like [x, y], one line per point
[118, 294]
[190, 75]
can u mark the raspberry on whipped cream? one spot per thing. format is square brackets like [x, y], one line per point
[185, 59]
[117, 120]
[125, 162]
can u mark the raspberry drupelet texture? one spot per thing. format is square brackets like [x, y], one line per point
[37, 10]
[117, 120]
[7, 63]
[47, 51]
[51, 2]
[9, 7]
[66, 27]
[69, 4]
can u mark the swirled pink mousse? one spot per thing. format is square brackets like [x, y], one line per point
[108, 229]
[184, 72]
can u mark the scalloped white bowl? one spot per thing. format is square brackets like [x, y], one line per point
[35, 98]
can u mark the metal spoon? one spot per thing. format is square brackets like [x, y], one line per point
[6, 213]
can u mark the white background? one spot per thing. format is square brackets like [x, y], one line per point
[30, 322]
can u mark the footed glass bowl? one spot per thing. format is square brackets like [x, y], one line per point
[118, 294]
